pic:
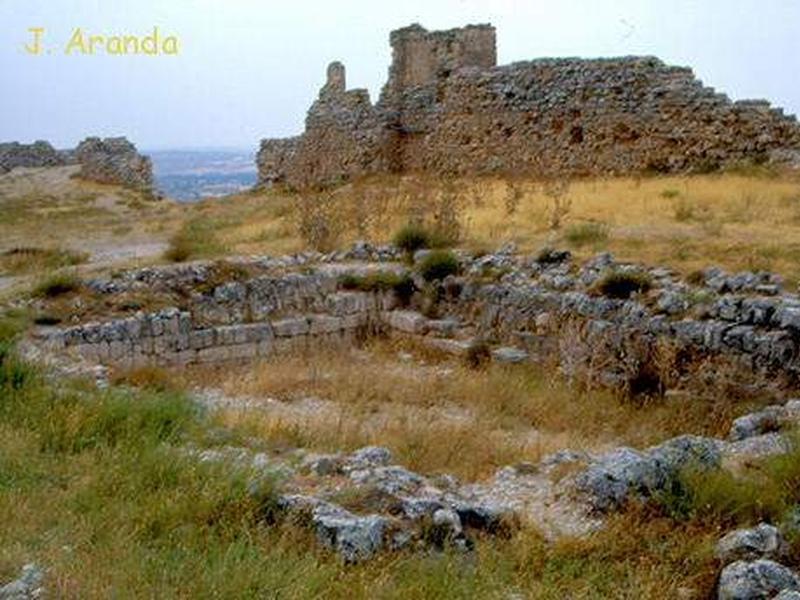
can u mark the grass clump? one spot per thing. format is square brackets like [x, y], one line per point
[382, 281]
[196, 239]
[412, 237]
[622, 284]
[57, 284]
[31, 259]
[438, 265]
[725, 499]
[584, 234]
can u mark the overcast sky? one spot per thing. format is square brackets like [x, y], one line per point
[249, 69]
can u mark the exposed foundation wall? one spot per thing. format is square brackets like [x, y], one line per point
[446, 108]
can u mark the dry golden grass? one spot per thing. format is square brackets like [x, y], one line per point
[439, 415]
[737, 221]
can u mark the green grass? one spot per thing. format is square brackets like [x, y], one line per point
[383, 281]
[438, 265]
[57, 284]
[98, 487]
[196, 239]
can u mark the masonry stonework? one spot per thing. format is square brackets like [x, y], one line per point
[448, 108]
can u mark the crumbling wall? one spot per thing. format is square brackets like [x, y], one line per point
[446, 108]
[38, 154]
[115, 161]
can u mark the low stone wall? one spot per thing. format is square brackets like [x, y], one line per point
[745, 316]
[173, 337]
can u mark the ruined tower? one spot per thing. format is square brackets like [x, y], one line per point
[447, 107]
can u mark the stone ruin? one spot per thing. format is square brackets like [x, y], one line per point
[277, 305]
[114, 160]
[447, 107]
[110, 160]
[38, 154]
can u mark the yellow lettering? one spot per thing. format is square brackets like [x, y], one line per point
[76, 42]
[171, 45]
[95, 39]
[36, 47]
[114, 45]
[131, 44]
[150, 43]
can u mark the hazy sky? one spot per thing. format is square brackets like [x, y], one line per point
[249, 69]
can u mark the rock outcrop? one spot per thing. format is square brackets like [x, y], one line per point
[448, 108]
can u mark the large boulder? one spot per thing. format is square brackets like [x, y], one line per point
[762, 541]
[754, 580]
[617, 476]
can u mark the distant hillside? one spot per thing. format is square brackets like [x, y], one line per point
[190, 175]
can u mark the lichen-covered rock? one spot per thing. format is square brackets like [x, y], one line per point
[353, 537]
[755, 580]
[622, 474]
[115, 161]
[762, 541]
[27, 587]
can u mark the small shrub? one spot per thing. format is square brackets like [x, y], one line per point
[404, 289]
[622, 284]
[478, 355]
[411, 238]
[383, 281]
[196, 239]
[438, 265]
[14, 373]
[583, 234]
[57, 284]
[670, 194]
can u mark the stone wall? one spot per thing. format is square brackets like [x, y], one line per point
[744, 317]
[115, 161]
[447, 108]
[38, 154]
[110, 160]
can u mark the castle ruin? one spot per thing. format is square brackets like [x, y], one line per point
[448, 108]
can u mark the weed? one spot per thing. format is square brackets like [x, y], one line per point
[411, 238]
[438, 265]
